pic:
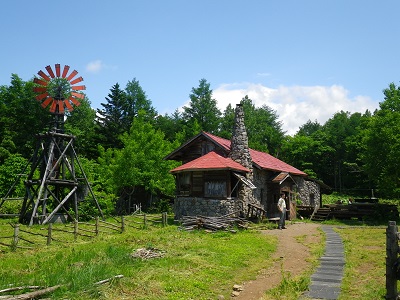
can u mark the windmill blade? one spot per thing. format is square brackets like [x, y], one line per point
[65, 71]
[74, 101]
[58, 70]
[53, 107]
[68, 105]
[78, 87]
[77, 95]
[49, 69]
[43, 75]
[42, 96]
[46, 102]
[72, 75]
[79, 79]
[41, 82]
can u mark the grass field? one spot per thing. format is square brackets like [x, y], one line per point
[195, 265]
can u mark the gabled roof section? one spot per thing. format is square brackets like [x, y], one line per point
[267, 161]
[211, 161]
[281, 177]
[223, 143]
[260, 159]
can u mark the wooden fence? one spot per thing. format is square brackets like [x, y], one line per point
[28, 236]
[392, 261]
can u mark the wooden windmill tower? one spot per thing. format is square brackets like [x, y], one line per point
[52, 186]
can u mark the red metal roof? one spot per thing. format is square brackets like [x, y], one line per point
[211, 161]
[261, 159]
[267, 161]
[224, 143]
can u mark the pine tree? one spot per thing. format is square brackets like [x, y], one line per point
[110, 119]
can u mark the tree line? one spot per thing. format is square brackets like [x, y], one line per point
[122, 144]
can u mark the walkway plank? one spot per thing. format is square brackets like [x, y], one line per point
[326, 281]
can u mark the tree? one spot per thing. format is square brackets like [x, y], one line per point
[21, 117]
[136, 100]
[344, 134]
[227, 122]
[308, 153]
[309, 128]
[382, 144]
[202, 108]
[263, 128]
[111, 122]
[141, 161]
[81, 123]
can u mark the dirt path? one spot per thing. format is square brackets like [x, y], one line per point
[290, 255]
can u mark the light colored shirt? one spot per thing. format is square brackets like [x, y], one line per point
[281, 204]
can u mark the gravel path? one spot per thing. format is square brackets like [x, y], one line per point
[290, 256]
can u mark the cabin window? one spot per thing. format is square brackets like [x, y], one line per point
[184, 183]
[215, 189]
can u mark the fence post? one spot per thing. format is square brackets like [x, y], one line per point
[15, 237]
[392, 249]
[164, 219]
[75, 230]
[49, 231]
[97, 226]
[122, 224]
[144, 221]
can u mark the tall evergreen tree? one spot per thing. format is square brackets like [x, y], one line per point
[110, 120]
[202, 108]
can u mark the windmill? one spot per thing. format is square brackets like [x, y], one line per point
[52, 186]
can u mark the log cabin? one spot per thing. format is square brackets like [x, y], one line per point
[225, 177]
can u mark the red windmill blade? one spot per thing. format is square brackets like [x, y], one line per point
[58, 90]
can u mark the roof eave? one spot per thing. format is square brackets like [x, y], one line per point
[208, 169]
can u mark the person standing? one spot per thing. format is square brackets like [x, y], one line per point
[282, 211]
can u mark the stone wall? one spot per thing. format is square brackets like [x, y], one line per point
[309, 192]
[190, 206]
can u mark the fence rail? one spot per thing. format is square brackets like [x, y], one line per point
[28, 235]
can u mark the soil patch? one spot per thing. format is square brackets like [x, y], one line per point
[291, 256]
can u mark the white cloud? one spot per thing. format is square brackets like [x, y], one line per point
[95, 66]
[295, 105]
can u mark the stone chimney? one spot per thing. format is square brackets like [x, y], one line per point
[240, 153]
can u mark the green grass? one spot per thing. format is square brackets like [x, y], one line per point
[196, 265]
[365, 269]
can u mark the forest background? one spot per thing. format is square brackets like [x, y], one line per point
[122, 145]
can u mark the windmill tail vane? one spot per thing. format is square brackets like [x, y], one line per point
[57, 90]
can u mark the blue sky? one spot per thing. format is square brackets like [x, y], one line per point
[304, 59]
